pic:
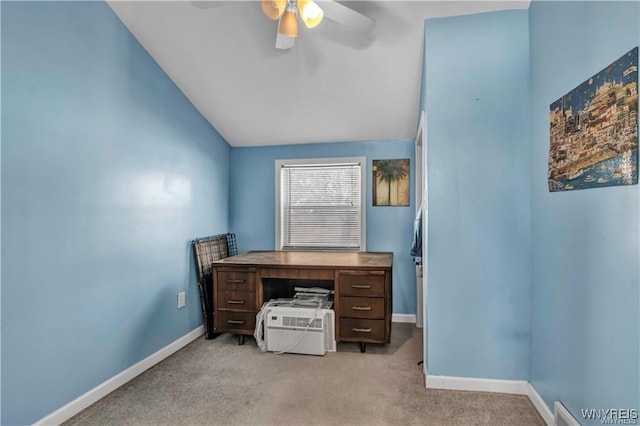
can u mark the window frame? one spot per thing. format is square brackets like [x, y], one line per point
[362, 161]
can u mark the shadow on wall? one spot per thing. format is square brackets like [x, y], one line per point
[147, 327]
[191, 287]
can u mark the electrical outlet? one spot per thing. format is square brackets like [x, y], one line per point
[181, 300]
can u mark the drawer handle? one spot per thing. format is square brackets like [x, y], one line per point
[235, 322]
[360, 286]
[361, 308]
[235, 281]
[361, 273]
[235, 302]
[362, 330]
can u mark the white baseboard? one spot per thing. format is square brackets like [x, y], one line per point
[541, 406]
[403, 318]
[83, 401]
[519, 387]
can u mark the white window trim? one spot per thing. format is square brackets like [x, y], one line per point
[363, 191]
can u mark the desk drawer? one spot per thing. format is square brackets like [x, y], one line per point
[362, 329]
[362, 307]
[236, 280]
[237, 300]
[236, 321]
[367, 285]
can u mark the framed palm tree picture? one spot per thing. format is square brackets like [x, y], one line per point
[390, 182]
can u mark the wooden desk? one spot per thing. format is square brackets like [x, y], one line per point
[362, 283]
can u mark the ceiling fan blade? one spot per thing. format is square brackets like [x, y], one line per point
[284, 42]
[209, 4]
[347, 17]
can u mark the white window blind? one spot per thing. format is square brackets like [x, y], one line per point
[321, 206]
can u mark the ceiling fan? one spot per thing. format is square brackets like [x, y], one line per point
[311, 13]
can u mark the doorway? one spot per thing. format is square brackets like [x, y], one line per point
[421, 203]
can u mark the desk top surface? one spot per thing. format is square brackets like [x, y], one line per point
[309, 259]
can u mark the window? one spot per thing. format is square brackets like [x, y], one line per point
[320, 204]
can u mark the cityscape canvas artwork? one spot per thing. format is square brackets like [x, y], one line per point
[594, 130]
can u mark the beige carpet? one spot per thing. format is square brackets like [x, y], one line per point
[218, 382]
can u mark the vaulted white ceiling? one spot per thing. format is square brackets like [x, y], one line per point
[331, 86]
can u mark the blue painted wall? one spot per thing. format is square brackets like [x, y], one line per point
[477, 109]
[107, 173]
[0, 223]
[388, 228]
[585, 332]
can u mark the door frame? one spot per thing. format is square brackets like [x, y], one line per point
[421, 193]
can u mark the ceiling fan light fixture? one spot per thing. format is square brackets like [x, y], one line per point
[273, 8]
[288, 23]
[310, 13]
